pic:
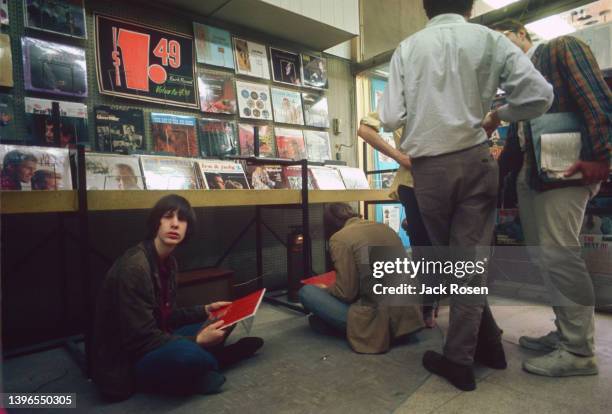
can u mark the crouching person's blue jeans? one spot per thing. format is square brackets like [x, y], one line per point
[325, 306]
[177, 367]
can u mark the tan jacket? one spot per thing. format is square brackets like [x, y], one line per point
[370, 328]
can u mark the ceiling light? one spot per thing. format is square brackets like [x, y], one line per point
[550, 27]
[498, 4]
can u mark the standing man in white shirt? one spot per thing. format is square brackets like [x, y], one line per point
[441, 85]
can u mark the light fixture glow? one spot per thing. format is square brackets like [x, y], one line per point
[550, 27]
[498, 4]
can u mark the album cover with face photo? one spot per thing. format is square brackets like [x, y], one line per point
[25, 168]
[175, 134]
[41, 128]
[65, 17]
[113, 172]
[286, 67]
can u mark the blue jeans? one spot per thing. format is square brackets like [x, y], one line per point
[325, 306]
[176, 367]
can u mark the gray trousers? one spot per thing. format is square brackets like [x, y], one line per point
[457, 196]
[551, 222]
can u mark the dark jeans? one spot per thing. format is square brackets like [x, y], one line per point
[176, 367]
[327, 307]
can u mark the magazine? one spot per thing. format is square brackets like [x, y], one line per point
[113, 172]
[40, 127]
[217, 93]
[119, 130]
[7, 118]
[254, 100]
[314, 71]
[239, 310]
[175, 134]
[246, 134]
[286, 67]
[251, 59]
[25, 168]
[213, 46]
[54, 68]
[6, 61]
[168, 173]
[287, 106]
[266, 177]
[290, 143]
[316, 112]
[317, 145]
[222, 175]
[326, 178]
[292, 176]
[65, 17]
[217, 138]
[354, 178]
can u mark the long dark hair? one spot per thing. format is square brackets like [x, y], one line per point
[168, 203]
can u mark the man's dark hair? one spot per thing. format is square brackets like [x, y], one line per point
[14, 158]
[335, 216]
[168, 203]
[511, 25]
[434, 8]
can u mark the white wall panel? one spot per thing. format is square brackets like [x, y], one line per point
[343, 14]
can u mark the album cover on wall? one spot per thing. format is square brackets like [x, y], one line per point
[217, 92]
[213, 46]
[217, 138]
[326, 178]
[119, 130]
[287, 106]
[292, 176]
[65, 17]
[7, 118]
[317, 145]
[354, 178]
[316, 112]
[290, 143]
[113, 172]
[266, 177]
[168, 173]
[143, 62]
[246, 135]
[222, 175]
[4, 16]
[286, 66]
[175, 134]
[6, 61]
[251, 59]
[40, 127]
[314, 71]
[254, 100]
[54, 68]
[26, 168]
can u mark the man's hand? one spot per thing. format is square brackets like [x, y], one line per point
[214, 306]
[321, 285]
[404, 160]
[211, 335]
[592, 171]
[490, 123]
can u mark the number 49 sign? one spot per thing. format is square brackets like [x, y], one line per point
[141, 62]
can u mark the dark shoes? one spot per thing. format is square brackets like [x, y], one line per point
[210, 383]
[231, 354]
[491, 355]
[461, 376]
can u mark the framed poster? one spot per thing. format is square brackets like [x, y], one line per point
[6, 61]
[316, 112]
[251, 59]
[287, 106]
[286, 67]
[144, 63]
[119, 130]
[175, 134]
[65, 17]
[217, 92]
[254, 100]
[314, 71]
[54, 68]
[213, 46]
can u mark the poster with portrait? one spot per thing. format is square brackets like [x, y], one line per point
[217, 138]
[113, 172]
[66, 17]
[145, 63]
[174, 134]
[286, 67]
[54, 68]
[314, 71]
[168, 173]
[222, 175]
[317, 146]
[316, 112]
[6, 61]
[287, 106]
[25, 168]
[41, 128]
[246, 136]
[119, 130]
[251, 59]
[213, 46]
[290, 143]
[254, 100]
[4, 15]
[217, 92]
[7, 118]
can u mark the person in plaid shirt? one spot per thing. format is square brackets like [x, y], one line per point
[552, 216]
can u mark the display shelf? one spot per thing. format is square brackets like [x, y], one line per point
[17, 202]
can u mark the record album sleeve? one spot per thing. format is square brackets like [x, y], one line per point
[326, 178]
[40, 126]
[174, 134]
[168, 173]
[316, 111]
[113, 172]
[222, 175]
[4, 15]
[26, 168]
[254, 100]
[119, 130]
[314, 71]
[6, 61]
[7, 118]
[213, 46]
[290, 143]
[217, 138]
[286, 67]
[354, 178]
[217, 92]
[266, 177]
[66, 17]
[287, 106]
[292, 176]
[317, 145]
[251, 59]
[246, 134]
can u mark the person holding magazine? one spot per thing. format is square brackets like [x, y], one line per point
[141, 340]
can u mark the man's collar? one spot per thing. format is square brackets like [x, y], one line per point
[352, 220]
[448, 18]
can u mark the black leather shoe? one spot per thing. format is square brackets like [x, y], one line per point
[231, 354]
[491, 355]
[461, 376]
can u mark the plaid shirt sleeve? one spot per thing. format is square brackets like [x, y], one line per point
[589, 91]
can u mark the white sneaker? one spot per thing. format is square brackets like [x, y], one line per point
[548, 342]
[561, 363]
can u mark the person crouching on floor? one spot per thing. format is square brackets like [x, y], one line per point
[142, 341]
[344, 308]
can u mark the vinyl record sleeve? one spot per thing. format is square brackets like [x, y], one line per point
[168, 173]
[113, 172]
[317, 145]
[40, 128]
[314, 71]
[251, 59]
[316, 111]
[7, 118]
[119, 130]
[175, 134]
[254, 100]
[290, 143]
[25, 168]
[6, 61]
[286, 67]
[217, 138]
[217, 92]
[246, 135]
[66, 17]
[326, 178]
[213, 46]
[222, 175]
[287, 106]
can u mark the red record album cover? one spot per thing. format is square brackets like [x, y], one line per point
[239, 309]
[327, 279]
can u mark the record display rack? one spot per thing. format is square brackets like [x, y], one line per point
[383, 197]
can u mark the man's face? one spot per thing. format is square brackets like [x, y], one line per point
[518, 38]
[220, 183]
[25, 171]
[52, 181]
[171, 230]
